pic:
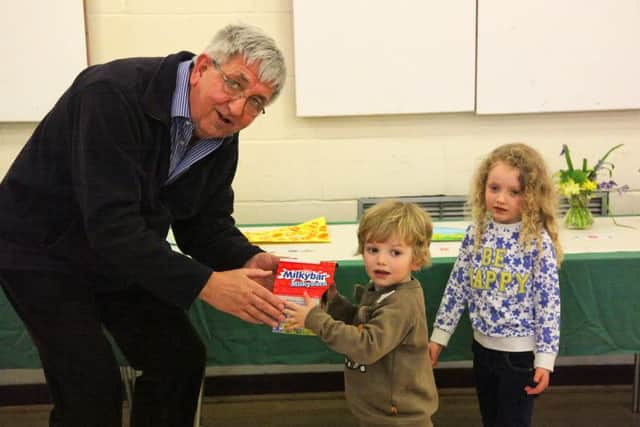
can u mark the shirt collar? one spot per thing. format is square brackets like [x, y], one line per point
[180, 101]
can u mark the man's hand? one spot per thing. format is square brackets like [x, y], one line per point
[541, 378]
[264, 261]
[238, 293]
[434, 352]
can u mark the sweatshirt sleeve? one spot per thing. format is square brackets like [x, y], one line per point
[340, 308]
[546, 306]
[456, 294]
[369, 342]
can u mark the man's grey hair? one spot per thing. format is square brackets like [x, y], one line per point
[255, 46]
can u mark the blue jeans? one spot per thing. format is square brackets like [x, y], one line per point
[500, 380]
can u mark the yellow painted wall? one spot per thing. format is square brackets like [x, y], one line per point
[293, 169]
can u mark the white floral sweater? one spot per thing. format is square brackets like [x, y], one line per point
[512, 293]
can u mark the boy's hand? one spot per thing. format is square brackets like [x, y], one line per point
[434, 352]
[296, 314]
[541, 378]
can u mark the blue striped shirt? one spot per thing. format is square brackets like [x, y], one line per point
[184, 156]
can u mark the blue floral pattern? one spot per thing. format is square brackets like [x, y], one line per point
[510, 290]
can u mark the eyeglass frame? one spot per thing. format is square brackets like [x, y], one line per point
[227, 86]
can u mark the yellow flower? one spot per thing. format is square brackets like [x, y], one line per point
[585, 177]
[569, 188]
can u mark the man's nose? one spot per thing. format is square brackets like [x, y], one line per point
[236, 106]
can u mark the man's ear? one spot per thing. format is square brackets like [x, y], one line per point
[200, 65]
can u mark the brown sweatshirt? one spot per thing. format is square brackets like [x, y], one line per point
[388, 374]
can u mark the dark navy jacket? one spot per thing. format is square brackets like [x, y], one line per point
[87, 193]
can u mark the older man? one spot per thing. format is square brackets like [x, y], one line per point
[132, 147]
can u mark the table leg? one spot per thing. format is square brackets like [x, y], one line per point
[635, 394]
[198, 416]
[129, 379]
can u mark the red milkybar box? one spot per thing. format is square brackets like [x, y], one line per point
[295, 277]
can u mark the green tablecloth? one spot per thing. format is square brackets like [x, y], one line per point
[600, 315]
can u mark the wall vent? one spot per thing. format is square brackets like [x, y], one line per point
[440, 207]
[451, 208]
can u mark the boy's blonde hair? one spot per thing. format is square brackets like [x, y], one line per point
[407, 221]
[539, 199]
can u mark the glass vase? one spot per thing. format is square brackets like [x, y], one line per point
[578, 216]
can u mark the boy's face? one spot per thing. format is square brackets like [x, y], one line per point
[389, 262]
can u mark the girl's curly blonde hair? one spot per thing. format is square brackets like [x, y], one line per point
[539, 200]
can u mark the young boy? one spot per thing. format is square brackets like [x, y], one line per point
[388, 374]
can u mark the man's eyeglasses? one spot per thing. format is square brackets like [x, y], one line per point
[253, 106]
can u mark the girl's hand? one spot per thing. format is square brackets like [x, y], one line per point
[541, 378]
[434, 352]
[296, 314]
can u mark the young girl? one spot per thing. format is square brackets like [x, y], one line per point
[507, 275]
[388, 374]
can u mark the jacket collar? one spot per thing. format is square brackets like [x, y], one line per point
[156, 100]
[410, 284]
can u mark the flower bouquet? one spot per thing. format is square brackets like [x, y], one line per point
[579, 184]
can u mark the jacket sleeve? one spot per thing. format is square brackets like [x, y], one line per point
[211, 236]
[108, 184]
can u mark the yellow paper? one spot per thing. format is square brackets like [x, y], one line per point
[314, 231]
